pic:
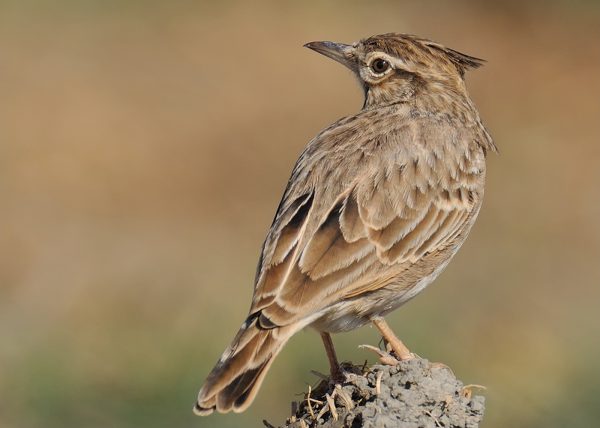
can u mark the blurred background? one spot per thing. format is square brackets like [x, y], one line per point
[144, 147]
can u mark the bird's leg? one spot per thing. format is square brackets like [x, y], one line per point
[398, 347]
[334, 365]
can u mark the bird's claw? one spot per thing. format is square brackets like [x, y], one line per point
[384, 357]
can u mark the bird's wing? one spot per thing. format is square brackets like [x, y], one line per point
[407, 194]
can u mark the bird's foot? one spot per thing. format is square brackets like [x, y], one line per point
[337, 375]
[389, 357]
[386, 357]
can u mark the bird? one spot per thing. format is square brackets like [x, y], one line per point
[377, 205]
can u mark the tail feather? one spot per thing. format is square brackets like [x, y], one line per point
[239, 394]
[234, 381]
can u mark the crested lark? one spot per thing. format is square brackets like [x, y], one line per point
[376, 207]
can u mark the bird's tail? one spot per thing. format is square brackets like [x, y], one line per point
[237, 376]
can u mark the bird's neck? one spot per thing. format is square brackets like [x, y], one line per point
[454, 104]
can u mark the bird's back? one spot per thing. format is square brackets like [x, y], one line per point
[379, 199]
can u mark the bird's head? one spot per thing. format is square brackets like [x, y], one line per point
[397, 67]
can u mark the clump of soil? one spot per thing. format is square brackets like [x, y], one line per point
[412, 394]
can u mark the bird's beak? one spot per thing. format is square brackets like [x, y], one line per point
[344, 54]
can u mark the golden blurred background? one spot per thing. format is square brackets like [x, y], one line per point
[144, 147]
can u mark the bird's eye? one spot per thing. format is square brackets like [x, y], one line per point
[380, 66]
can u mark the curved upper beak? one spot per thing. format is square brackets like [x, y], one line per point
[344, 54]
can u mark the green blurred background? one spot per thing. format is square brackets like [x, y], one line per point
[144, 147]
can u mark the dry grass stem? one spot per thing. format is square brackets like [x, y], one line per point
[378, 383]
[467, 390]
[331, 405]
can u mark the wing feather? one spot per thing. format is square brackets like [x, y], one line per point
[290, 232]
[354, 231]
[351, 225]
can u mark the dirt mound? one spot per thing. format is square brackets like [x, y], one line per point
[412, 394]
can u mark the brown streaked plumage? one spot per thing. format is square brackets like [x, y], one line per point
[376, 207]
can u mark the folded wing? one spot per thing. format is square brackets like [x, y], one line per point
[386, 219]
